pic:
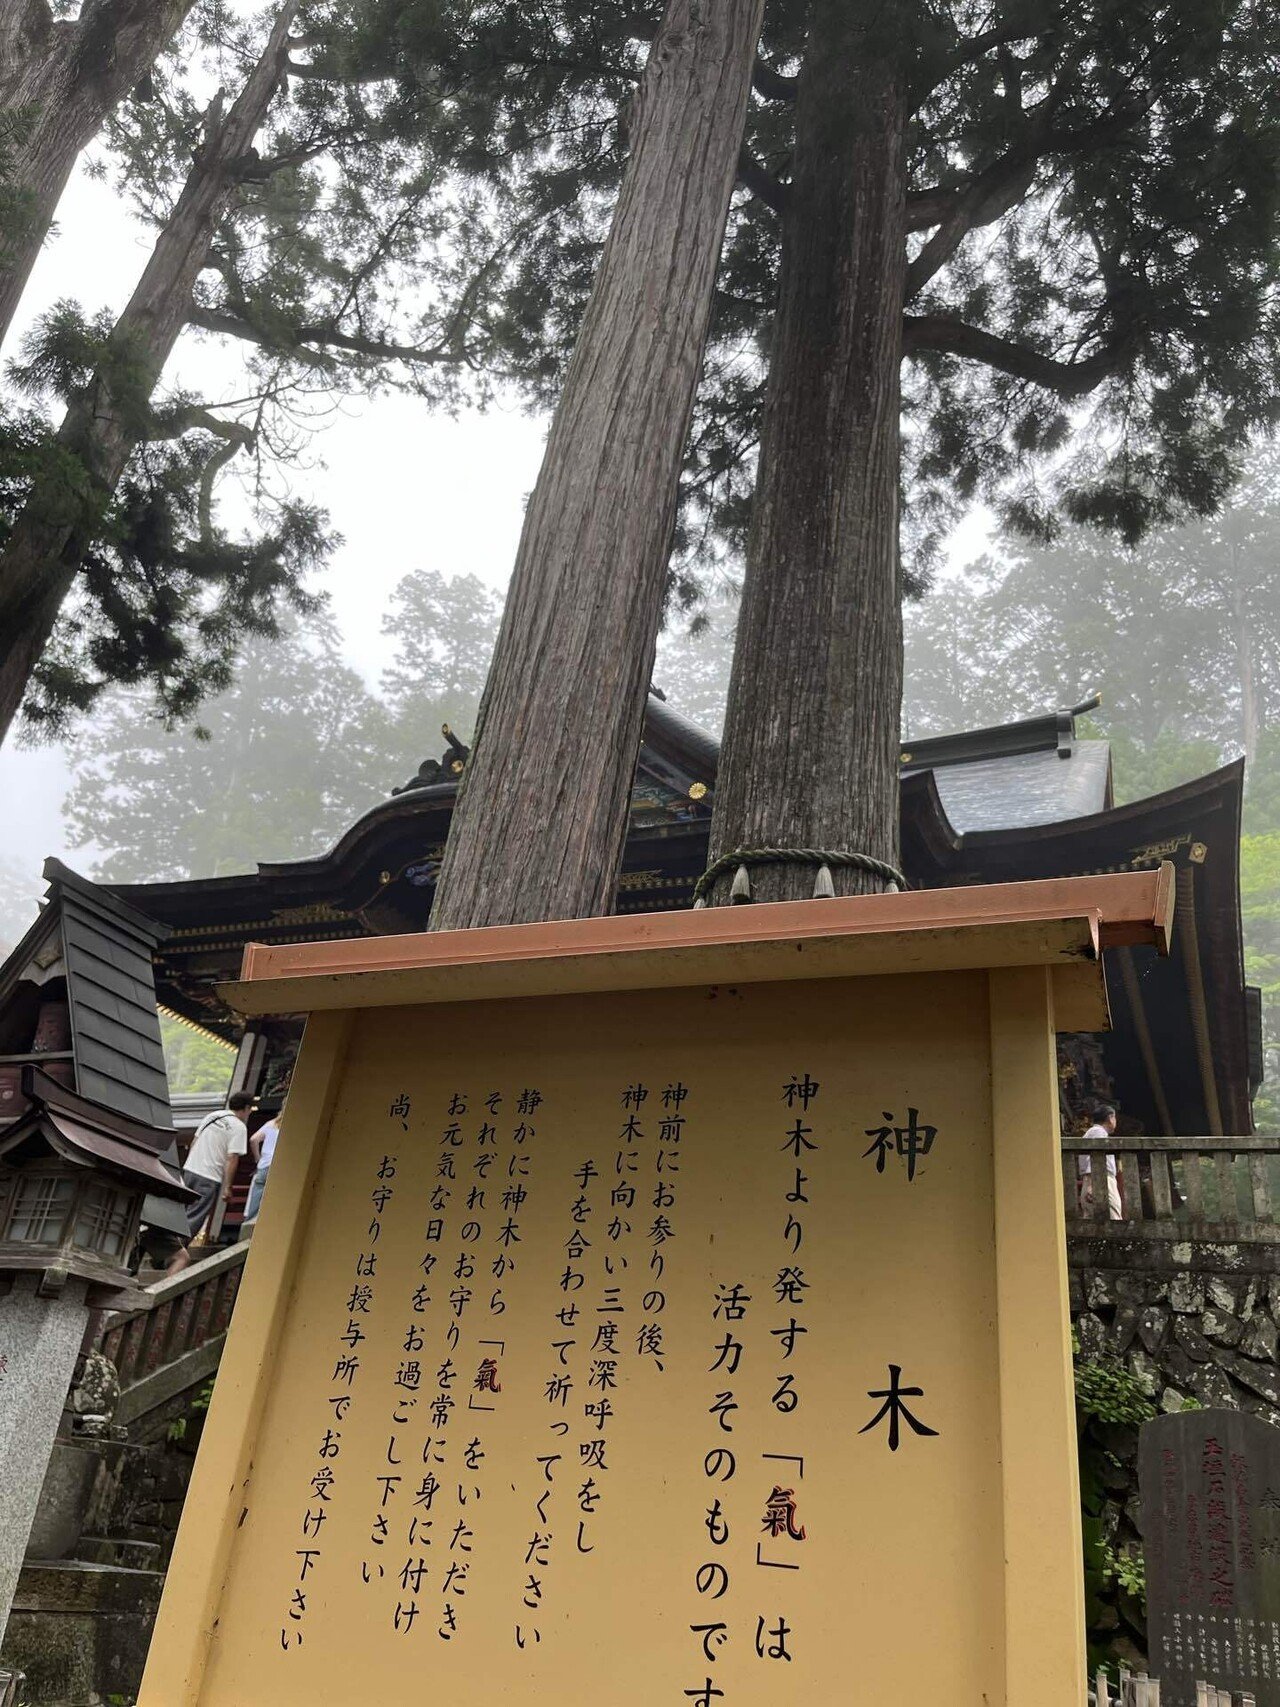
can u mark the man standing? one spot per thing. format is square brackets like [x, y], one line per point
[263, 1145]
[1104, 1125]
[220, 1141]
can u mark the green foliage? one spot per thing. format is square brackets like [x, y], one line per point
[1106, 1392]
[1166, 762]
[425, 207]
[1107, 1397]
[310, 276]
[445, 629]
[287, 756]
[194, 1061]
[1182, 637]
[1128, 1570]
[1260, 912]
[1140, 238]
[163, 596]
[283, 760]
[199, 1404]
[1262, 801]
[695, 656]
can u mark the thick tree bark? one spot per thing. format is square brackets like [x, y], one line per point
[63, 80]
[42, 555]
[1250, 716]
[541, 818]
[810, 753]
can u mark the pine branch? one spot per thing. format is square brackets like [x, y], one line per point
[761, 183]
[235, 437]
[182, 417]
[771, 84]
[927, 208]
[949, 335]
[307, 343]
[331, 71]
[255, 168]
[977, 47]
[989, 197]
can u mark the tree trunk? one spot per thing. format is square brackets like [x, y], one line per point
[810, 753]
[63, 80]
[42, 555]
[1250, 716]
[541, 818]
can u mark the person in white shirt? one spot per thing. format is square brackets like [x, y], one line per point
[263, 1146]
[1104, 1126]
[220, 1141]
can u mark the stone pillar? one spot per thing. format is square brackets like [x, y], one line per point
[39, 1341]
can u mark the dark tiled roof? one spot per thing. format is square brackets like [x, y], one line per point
[1021, 789]
[111, 985]
[107, 954]
[74, 1127]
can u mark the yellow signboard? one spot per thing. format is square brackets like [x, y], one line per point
[693, 1344]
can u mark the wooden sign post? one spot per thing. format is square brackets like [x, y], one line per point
[659, 1309]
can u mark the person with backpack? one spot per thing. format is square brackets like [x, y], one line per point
[220, 1141]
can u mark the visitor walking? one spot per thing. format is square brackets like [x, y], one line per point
[220, 1141]
[1104, 1126]
[263, 1146]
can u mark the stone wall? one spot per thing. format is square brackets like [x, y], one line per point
[1211, 1338]
[139, 1500]
[81, 1620]
[1191, 1324]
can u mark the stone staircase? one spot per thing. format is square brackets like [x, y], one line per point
[90, 1587]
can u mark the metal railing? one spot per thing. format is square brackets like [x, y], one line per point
[1216, 1189]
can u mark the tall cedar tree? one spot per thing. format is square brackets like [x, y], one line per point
[46, 545]
[1133, 259]
[575, 649]
[1025, 251]
[60, 80]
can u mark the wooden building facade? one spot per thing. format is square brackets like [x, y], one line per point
[1025, 800]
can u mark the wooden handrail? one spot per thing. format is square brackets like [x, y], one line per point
[183, 1313]
[1218, 1188]
[1203, 1146]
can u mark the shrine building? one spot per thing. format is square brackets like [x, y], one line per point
[1025, 800]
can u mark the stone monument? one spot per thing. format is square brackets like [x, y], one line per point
[1210, 1487]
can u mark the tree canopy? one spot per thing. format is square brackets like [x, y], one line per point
[1091, 212]
[444, 628]
[297, 219]
[281, 763]
[1180, 634]
[290, 753]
